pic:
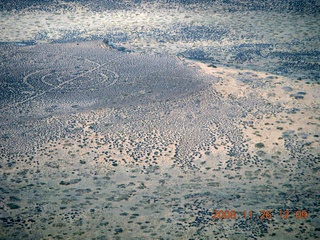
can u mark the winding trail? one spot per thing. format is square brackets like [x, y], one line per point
[59, 86]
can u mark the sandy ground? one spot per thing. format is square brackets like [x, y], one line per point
[93, 183]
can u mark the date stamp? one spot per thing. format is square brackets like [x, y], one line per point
[263, 214]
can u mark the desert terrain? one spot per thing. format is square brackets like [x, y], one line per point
[140, 119]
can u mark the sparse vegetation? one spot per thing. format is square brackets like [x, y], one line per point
[259, 145]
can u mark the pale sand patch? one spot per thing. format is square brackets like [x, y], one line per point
[269, 129]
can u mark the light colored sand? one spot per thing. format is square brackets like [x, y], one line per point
[268, 129]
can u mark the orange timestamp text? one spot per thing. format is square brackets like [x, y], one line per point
[264, 214]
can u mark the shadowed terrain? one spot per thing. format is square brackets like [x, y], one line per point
[47, 80]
